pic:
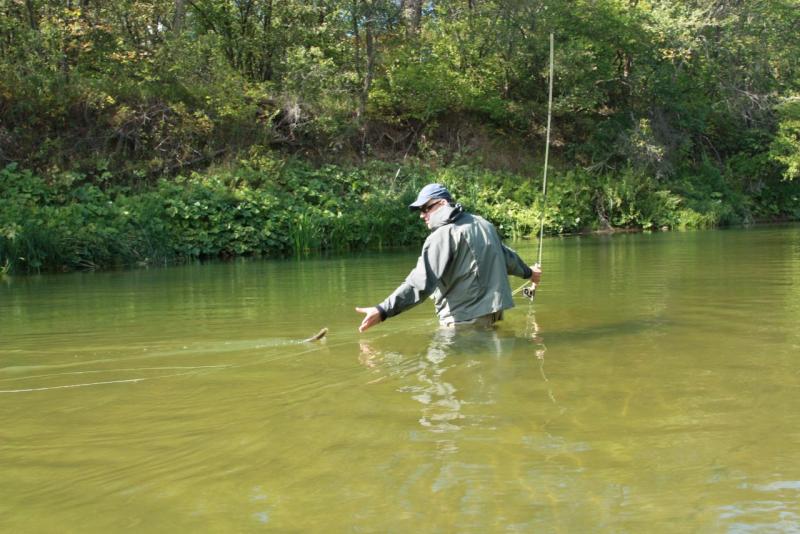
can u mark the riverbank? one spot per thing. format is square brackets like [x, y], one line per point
[273, 207]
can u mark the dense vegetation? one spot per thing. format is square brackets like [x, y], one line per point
[138, 132]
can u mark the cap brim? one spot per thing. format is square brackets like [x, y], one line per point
[417, 204]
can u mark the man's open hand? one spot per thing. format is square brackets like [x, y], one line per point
[372, 317]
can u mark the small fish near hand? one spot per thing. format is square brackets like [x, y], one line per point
[319, 335]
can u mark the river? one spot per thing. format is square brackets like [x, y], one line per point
[652, 386]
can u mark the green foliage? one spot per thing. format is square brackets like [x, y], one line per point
[420, 90]
[785, 147]
[632, 200]
[710, 199]
[146, 130]
[64, 225]
[70, 224]
[271, 207]
[576, 201]
[142, 89]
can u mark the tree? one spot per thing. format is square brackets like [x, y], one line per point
[785, 147]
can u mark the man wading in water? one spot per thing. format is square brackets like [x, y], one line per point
[463, 264]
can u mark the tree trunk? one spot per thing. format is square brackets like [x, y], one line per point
[356, 38]
[269, 44]
[412, 15]
[179, 16]
[370, 50]
[369, 42]
[31, 14]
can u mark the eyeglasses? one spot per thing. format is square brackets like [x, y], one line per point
[428, 207]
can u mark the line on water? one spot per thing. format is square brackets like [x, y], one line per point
[150, 355]
[67, 386]
[135, 380]
[132, 380]
[169, 368]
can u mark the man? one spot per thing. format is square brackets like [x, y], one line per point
[463, 264]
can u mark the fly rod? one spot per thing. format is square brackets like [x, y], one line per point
[530, 290]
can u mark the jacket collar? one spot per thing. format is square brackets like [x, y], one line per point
[445, 215]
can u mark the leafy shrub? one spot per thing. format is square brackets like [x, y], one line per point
[785, 147]
[267, 206]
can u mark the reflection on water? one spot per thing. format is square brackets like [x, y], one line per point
[440, 400]
[652, 384]
[461, 382]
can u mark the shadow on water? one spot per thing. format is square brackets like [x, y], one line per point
[615, 329]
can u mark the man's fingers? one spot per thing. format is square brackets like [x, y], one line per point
[536, 273]
[365, 324]
[368, 320]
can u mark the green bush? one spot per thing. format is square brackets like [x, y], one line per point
[270, 207]
[262, 209]
[785, 147]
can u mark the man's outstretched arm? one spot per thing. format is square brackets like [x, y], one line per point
[418, 285]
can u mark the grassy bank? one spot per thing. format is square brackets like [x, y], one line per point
[272, 207]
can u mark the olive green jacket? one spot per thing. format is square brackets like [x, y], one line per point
[463, 265]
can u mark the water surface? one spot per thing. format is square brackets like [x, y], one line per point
[652, 386]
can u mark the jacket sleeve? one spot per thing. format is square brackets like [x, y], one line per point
[422, 280]
[515, 265]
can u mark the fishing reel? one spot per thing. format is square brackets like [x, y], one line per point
[529, 291]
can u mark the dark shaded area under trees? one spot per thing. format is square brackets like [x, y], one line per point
[133, 132]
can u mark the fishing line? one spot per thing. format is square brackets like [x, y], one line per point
[191, 370]
[83, 385]
[152, 352]
[124, 370]
[530, 291]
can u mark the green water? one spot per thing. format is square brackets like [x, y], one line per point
[652, 387]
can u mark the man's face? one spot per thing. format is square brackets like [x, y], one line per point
[429, 208]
